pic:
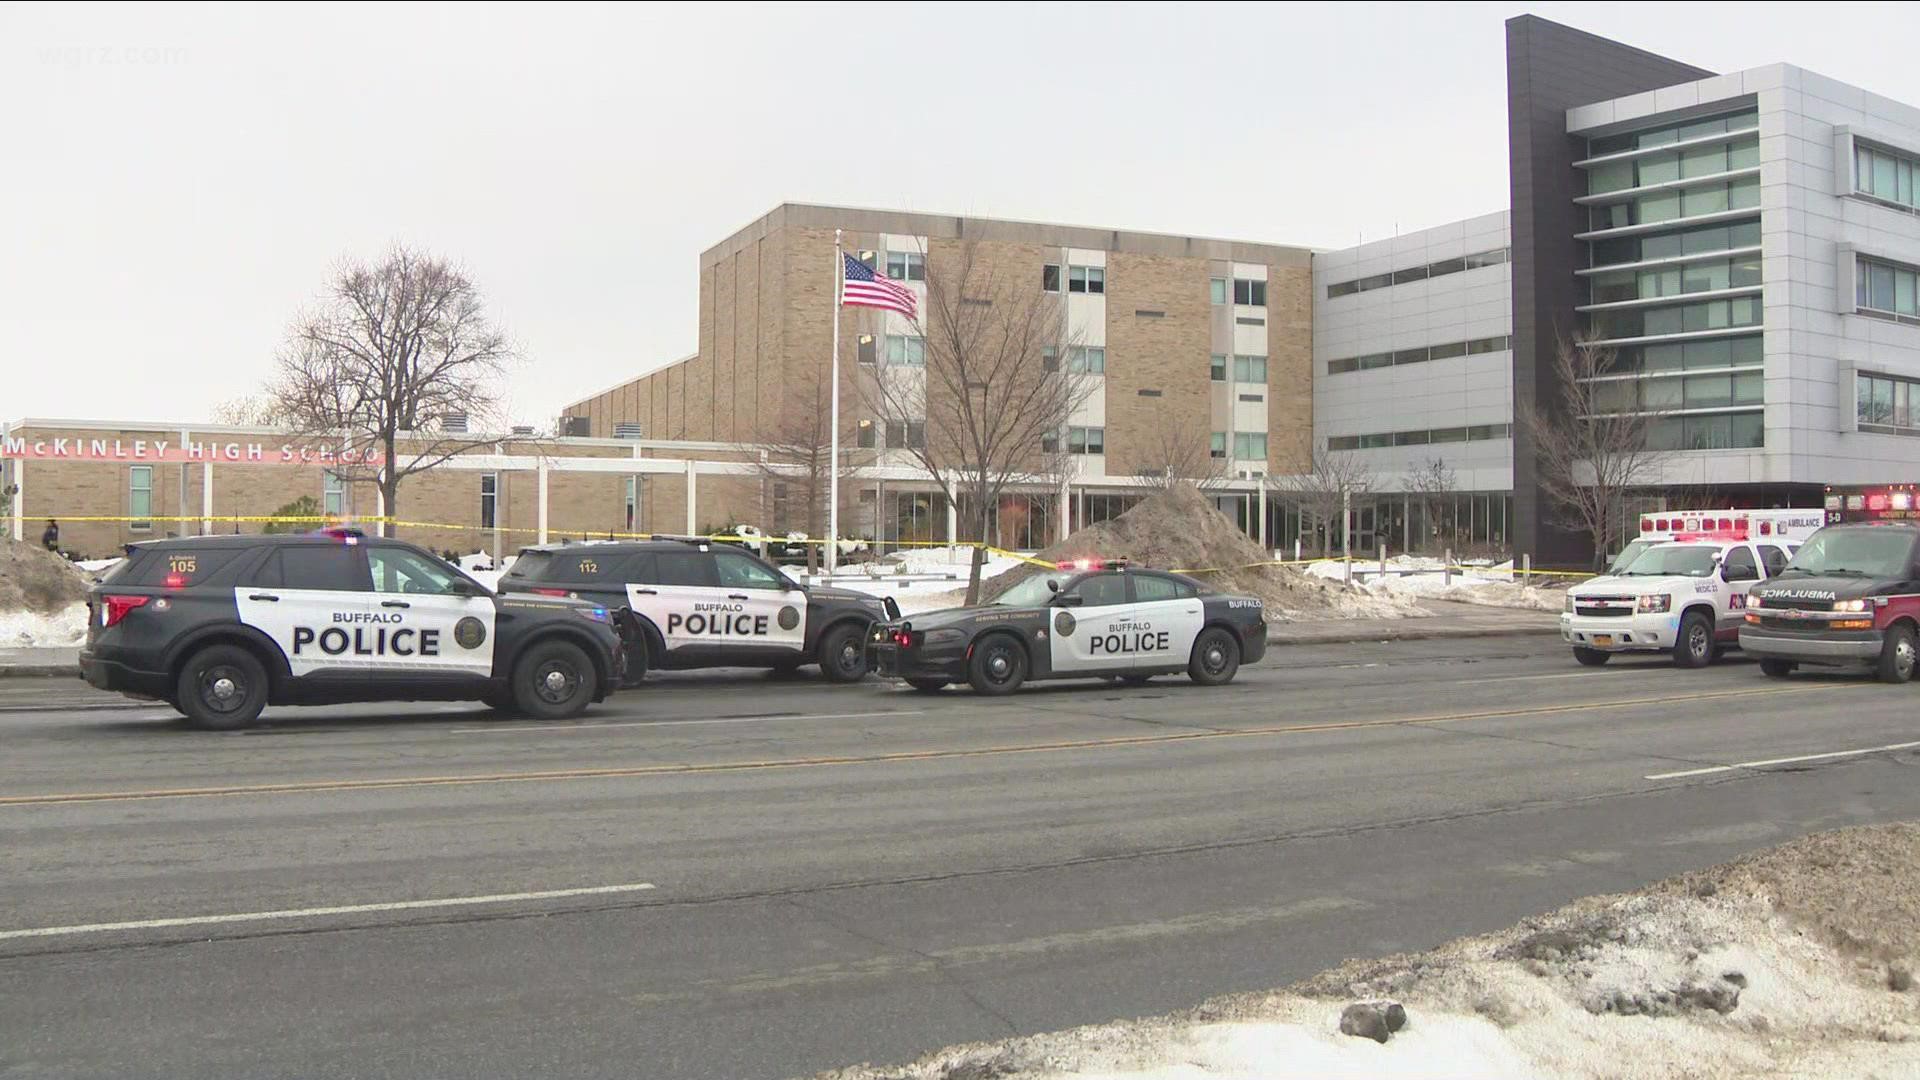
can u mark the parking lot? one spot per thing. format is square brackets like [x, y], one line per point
[740, 875]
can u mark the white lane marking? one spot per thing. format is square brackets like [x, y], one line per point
[1559, 675]
[320, 912]
[680, 723]
[1782, 761]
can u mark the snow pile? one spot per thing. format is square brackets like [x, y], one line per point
[33, 579]
[1795, 962]
[1414, 577]
[65, 628]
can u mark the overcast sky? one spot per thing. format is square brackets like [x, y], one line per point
[177, 183]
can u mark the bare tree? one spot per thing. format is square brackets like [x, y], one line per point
[1590, 442]
[798, 456]
[1321, 493]
[1173, 453]
[1432, 483]
[401, 362]
[248, 410]
[990, 406]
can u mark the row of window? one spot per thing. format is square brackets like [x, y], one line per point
[907, 349]
[1689, 355]
[1250, 292]
[1692, 129]
[1882, 401]
[1247, 445]
[899, 435]
[1419, 355]
[1248, 369]
[1420, 273]
[333, 496]
[1695, 241]
[1080, 279]
[1714, 391]
[1705, 276]
[1657, 206]
[1674, 165]
[1722, 431]
[1477, 433]
[1678, 319]
[1886, 175]
[1886, 287]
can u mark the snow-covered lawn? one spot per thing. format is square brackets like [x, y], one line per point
[32, 630]
[1414, 577]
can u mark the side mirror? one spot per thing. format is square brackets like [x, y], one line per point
[1068, 600]
[464, 587]
[1053, 585]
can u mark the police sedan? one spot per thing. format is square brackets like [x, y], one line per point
[1108, 621]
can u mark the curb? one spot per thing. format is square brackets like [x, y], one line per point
[47, 671]
[1409, 635]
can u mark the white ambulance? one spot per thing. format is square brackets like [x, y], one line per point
[1789, 526]
[1685, 594]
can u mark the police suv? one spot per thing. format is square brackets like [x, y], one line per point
[222, 626]
[1686, 596]
[702, 604]
[1107, 621]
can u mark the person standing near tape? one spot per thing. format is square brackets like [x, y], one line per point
[50, 539]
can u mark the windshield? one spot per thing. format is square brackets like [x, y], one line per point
[1673, 561]
[1627, 555]
[1882, 553]
[1032, 592]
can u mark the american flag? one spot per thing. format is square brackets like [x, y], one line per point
[864, 288]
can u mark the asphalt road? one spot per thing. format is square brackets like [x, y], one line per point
[847, 874]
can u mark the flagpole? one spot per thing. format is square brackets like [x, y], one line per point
[833, 422]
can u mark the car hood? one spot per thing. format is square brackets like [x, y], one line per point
[1801, 588]
[1633, 586]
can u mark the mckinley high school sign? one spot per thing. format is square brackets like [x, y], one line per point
[137, 450]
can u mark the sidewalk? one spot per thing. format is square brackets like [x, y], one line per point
[56, 663]
[1449, 619]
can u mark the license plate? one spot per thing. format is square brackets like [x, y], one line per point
[1603, 640]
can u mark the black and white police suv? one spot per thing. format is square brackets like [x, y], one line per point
[222, 626]
[702, 605]
[1106, 621]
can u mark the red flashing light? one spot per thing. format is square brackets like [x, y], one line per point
[1646, 524]
[118, 606]
[1766, 528]
[903, 638]
[1877, 502]
[550, 592]
[175, 580]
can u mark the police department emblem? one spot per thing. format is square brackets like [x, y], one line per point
[788, 618]
[1063, 624]
[470, 632]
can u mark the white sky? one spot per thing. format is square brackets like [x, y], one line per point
[176, 183]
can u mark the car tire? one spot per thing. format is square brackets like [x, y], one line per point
[221, 688]
[998, 665]
[1216, 657]
[928, 686]
[843, 655]
[1693, 648]
[553, 680]
[1896, 655]
[1591, 657]
[1777, 669]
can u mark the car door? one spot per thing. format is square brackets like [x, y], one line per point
[310, 599]
[425, 617]
[1089, 624]
[675, 590]
[1774, 559]
[772, 611]
[1170, 614]
[1738, 571]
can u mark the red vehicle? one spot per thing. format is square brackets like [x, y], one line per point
[1849, 597]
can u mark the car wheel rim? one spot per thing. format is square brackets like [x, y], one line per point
[849, 659]
[556, 682]
[1697, 640]
[1903, 658]
[999, 665]
[223, 689]
[1214, 659]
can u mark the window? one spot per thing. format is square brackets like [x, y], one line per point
[903, 349]
[1217, 290]
[1886, 175]
[863, 435]
[1773, 558]
[1152, 588]
[1149, 393]
[489, 498]
[1049, 358]
[1249, 292]
[1886, 402]
[1086, 440]
[1343, 442]
[1091, 361]
[1086, 279]
[692, 569]
[906, 266]
[399, 570]
[916, 435]
[1217, 446]
[139, 496]
[869, 257]
[866, 350]
[1050, 442]
[1050, 277]
[1661, 136]
[327, 567]
[1101, 590]
[1219, 368]
[631, 500]
[1886, 288]
[1255, 398]
[1250, 446]
[739, 571]
[1250, 369]
[333, 495]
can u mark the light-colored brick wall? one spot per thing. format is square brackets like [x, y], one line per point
[1289, 369]
[1158, 339]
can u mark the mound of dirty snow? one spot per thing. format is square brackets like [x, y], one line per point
[37, 580]
[34, 630]
[1794, 962]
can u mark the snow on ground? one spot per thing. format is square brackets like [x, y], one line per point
[96, 567]
[1412, 577]
[32, 630]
